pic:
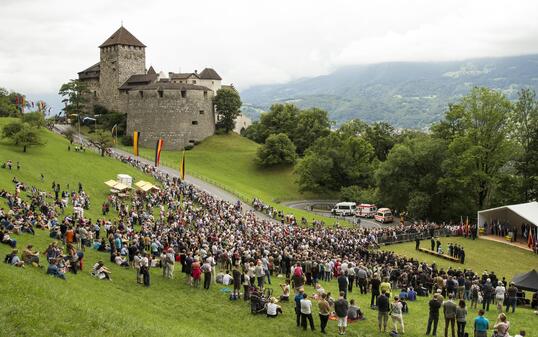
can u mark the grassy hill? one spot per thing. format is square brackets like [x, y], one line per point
[33, 304]
[228, 161]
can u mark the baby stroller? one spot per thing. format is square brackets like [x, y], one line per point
[259, 299]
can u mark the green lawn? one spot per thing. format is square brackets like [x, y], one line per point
[33, 304]
[504, 259]
[228, 161]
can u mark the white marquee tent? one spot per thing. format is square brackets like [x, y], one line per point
[514, 215]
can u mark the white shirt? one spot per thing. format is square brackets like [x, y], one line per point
[306, 306]
[271, 309]
[226, 279]
[499, 291]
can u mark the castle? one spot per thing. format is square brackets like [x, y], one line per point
[177, 107]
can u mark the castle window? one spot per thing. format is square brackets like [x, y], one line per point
[192, 141]
[160, 93]
[95, 93]
[141, 93]
[194, 122]
[201, 112]
[183, 93]
[193, 81]
[205, 94]
[212, 82]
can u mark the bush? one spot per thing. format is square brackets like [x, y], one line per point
[188, 147]
[127, 140]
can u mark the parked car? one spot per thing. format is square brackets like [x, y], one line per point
[366, 210]
[384, 215]
[344, 208]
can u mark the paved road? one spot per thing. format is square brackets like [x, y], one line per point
[198, 183]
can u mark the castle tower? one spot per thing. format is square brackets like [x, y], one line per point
[122, 55]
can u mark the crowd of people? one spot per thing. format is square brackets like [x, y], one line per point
[213, 239]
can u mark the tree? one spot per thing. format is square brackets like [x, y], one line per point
[102, 140]
[382, 138]
[526, 133]
[227, 103]
[480, 149]
[36, 119]
[281, 118]
[277, 150]
[22, 134]
[311, 125]
[348, 160]
[12, 128]
[408, 179]
[74, 95]
[355, 193]
[69, 133]
[8, 108]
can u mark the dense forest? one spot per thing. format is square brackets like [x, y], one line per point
[483, 153]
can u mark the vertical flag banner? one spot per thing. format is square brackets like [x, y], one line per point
[158, 149]
[136, 136]
[182, 167]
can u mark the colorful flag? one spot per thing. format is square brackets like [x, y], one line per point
[136, 136]
[158, 149]
[182, 167]
[530, 242]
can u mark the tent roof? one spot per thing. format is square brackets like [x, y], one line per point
[145, 186]
[528, 211]
[116, 185]
[527, 281]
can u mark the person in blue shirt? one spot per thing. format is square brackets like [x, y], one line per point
[298, 298]
[412, 294]
[481, 325]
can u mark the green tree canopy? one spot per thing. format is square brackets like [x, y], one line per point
[74, 95]
[277, 150]
[227, 103]
[102, 140]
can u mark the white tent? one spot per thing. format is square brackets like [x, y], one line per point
[514, 215]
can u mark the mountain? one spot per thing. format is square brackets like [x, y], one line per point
[405, 94]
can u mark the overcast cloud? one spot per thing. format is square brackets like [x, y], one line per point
[45, 43]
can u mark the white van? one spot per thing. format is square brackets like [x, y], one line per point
[366, 210]
[383, 215]
[344, 208]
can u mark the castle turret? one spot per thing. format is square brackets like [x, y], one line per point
[122, 55]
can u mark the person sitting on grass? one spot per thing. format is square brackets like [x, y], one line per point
[54, 268]
[273, 309]
[121, 261]
[354, 312]
[13, 259]
[285, 291]
[100, 271]
[30, 257]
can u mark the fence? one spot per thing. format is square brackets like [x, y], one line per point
[406, 237]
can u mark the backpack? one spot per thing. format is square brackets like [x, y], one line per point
[298, 272]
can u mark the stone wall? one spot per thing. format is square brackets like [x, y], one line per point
[170, 117]
[118, 63]
[93, 96]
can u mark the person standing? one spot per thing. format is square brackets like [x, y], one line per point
[375, 282]
[481, 325]
[341, 307]
[449, 311]
[383, 308]
[144, 269]
[324, 311]
[487, 293]
[502, 326]
[298, 298]
[306, 312]
[342, 284]
[417, 243]
[206, 269]
[433, 317]
[432, 241]
[461, 318]
[396, 314]
[512, 297]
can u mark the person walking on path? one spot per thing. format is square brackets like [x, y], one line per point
[340, 307]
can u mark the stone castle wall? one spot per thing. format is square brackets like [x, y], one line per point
[118, 63]
[179, 120]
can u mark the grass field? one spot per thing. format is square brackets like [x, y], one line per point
[228, 161]
[33, 304]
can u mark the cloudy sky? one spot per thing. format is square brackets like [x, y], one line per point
[45, 43]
